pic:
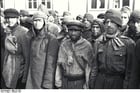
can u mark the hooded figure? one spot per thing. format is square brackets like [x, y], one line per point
[43, 48]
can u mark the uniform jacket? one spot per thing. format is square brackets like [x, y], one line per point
[43, 50]
[114, 58]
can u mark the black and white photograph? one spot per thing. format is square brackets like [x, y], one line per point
[69, 45]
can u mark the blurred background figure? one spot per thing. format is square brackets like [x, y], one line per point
[97, 28]
[25, 19]
[87, 20]
[133, 31]
[125, 15]
[101, 17]
[80, 18]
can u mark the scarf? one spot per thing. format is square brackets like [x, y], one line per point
[114, 40]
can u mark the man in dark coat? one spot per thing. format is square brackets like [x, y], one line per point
[2, 37]
[14, 55]
[114, 55]
[135, 76]
[43, 49]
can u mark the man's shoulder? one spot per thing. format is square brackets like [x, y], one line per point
[127, 40]
[22, 28]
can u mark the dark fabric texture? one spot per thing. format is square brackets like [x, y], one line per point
[113, 62]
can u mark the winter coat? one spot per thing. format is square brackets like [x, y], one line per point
[17, 63]
[43, 50]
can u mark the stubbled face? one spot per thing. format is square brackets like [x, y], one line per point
[124, 18]
[111, 27]
[11, 21]
[38, 23]
[74, 35]
[96, 31]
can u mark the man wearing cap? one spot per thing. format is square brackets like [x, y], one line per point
[134, 23]
[74, 59]
[25, 19]
[113, 56]
[43, 49]
[15, 47]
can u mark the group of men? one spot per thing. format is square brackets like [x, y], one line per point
[87, 54]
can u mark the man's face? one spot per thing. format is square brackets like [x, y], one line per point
[11, 21]
[124, 18]
[74, 34]
[111, 27]
[96, 31]
[137, 25]
[38, 23]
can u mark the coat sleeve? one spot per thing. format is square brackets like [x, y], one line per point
[94, 67]
[62, 58]
[135, 74]
[130, 58]
[50, 65]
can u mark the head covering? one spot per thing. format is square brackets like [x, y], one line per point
[89, 17]
[126, 9]
[135, 16]
[67, 18]
[11, 13]
[79, 16]
[98, 22]
[101, 16]
[39, 14]
[114, 16]
[24, 13]
[74, 25]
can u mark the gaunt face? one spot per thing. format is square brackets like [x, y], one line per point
[111, 27]
[74, 34]
[96, 31]
[124, 18]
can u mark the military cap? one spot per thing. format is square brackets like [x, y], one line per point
[74, 25]
[11, 13]
[39, 14]
[24, 13]
[114, 16]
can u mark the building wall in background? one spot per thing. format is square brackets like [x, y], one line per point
[74, 6]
